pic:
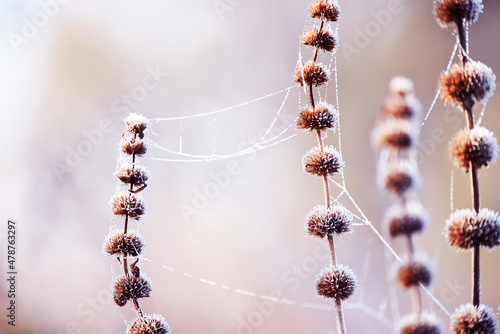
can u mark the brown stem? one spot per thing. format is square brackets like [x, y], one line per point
[464, 51]
[340, 317]
[476, 279]
[315, 55]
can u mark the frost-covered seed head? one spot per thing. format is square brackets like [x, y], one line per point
[470, 319]
[424, 324]
[134, 174]
[323, 163]
[400, 178]
[132, 146]
[137, 124]
[323, 116]
[406, 220]
[128, 204]
[400, 85]
[477, 146]
[413, 273]
[323, 221]
[337, 282]
[465, 228]
[321, 39]
[324, 10]
[449, 12]
[395, 133]
[149, 324]
[130, 244]
[465, 86]
[311, 73]
[131, 287]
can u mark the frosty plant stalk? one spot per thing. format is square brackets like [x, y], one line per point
[465, 85]
[126, 244]
[337, 281]
[396, 137]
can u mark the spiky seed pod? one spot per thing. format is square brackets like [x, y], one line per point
[402, 107]
[137, 124]
[423, 324]
[323, 116]
[323, 221]
[337, 282]
[323, 163]
[134, 174]
[395, 133]
[449, 12]
[321, 39]
[465, 86]
[311, 73]
[470, 319]
[399, 85]
[132, 146]
[477, 146]
[406, 220]
[128, 204]
[400, 178]
[465, 228]
[130, 244]
[324, 10]
[149, 324]
[413, 273]
[131, 287]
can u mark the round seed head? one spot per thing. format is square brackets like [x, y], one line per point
[324, 10]
[465, 86]
[400, 178]
[449, 12]
[131, 287]
[413, 273]
[130, 244]
[395, 133]
[128, 204]
[134, 174]
[137, 124]
[323, 39]
[323, 163]
[406, 220]
[323, 221]
[424, 324]
[400, 85]
[149, 324]
[470, 319]
[131, 146]
[465, 228]
[311, 73]
[323, 116]
[338, 282]
[477, 146]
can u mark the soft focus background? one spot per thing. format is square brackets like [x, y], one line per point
[65, 77]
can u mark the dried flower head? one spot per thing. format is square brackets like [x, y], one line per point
[395, 133]
[449, 12]
[321, 39]
[465, 228]
[465, 86]
[337, 282]
[137, 124]
[131, 287]
[149, 324]
[134, 174]
[322, 116]
[400, 177]
[130, 244]
[323, 221]
[470, 319]
[323, 163]
[406, 220]
[413, 273]
[477, 146]
[405, 107]
[424, 323]
[311, 73]
[400, 85]
[132, 146]
[324, 10]
[128, 204]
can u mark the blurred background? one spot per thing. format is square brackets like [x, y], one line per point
[223, 236]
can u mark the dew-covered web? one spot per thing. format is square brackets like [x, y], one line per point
[177, 152]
